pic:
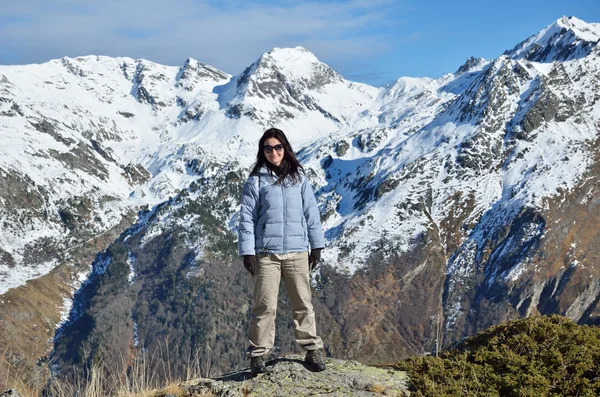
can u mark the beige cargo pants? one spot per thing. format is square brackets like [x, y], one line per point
[294, 269]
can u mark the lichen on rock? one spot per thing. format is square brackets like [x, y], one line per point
[289, 376]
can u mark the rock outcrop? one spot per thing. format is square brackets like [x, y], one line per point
[288, 376]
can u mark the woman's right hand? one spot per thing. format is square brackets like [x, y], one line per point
[250, 263]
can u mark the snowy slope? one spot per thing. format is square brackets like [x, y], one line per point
[77, 130]
[567, 38]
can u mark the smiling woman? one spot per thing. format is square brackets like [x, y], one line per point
[279, 222]
[273, 151]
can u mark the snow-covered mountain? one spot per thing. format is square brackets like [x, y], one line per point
[81, 133]
[479, 187]
[566, 39]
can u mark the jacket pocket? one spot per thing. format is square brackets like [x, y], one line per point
[304, 227]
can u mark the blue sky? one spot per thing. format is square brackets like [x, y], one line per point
[371, 41]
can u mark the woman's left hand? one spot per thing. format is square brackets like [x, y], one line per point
[314, 258]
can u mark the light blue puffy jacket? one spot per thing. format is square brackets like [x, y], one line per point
[278, 219]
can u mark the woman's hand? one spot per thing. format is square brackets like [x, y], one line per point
[250, 263]
[314, 258]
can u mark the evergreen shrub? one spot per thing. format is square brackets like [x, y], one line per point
[536, 356]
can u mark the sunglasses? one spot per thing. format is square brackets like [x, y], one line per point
[269, 148]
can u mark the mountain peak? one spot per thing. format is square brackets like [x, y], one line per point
[283, 69]
[565, 39]
[296, 63]
[287, 54]
[193, 69]
[299, 50]
[470, 64]
[586, 31]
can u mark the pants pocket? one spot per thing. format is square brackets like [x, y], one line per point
[301, 262]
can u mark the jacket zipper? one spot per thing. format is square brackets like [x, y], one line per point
[284, 217]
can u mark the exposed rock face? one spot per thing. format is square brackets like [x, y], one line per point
[527, 263]
[541, 262]
[470, 64]
[288, 376]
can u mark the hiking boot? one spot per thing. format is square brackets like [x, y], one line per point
[315, 359]
[257, 365]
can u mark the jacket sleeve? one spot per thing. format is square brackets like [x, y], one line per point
[312, 216]
[248, 217]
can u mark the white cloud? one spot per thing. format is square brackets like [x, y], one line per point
[228, 34]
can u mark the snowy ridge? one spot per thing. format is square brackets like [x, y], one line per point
[565, 39]
[473, 146]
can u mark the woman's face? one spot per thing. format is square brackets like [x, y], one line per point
[273, 151]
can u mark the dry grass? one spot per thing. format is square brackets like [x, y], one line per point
[15, 373]
[174, 389]
[28, 318]
[377, 388]
[140, 380]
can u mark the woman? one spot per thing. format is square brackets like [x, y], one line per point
[279, 218]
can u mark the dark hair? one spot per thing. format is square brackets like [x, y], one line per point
[290, 166]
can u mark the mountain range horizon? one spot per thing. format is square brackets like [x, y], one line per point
[558, 22]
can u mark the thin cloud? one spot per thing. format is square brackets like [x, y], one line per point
[413, 37]
[228, 35]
